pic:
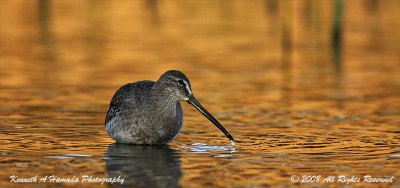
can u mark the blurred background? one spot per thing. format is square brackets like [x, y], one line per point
[269, 47]
[267, 69]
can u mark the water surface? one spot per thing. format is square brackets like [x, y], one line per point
[302, 107]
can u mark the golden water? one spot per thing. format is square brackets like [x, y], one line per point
[302, 109]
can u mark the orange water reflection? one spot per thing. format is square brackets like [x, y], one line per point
[266, 69]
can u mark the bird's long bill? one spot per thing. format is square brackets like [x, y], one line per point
[193, 101]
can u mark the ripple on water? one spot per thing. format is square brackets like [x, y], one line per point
[78, 155]
[395, 156]
[58, 157]
[68, 156]
[204, 148]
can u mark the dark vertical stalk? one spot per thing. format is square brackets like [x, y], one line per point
[287, 47]
[153, 9]
[46, 38]
[337, 37]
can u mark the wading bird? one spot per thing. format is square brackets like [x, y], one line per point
[150, 113]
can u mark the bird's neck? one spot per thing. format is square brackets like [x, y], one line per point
[163, 98]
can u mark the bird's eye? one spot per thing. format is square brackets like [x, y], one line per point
[180, 82]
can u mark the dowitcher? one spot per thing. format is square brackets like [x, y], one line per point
[150, 113]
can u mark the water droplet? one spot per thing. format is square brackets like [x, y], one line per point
[233, 143]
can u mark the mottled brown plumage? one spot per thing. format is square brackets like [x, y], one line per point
[147, 112]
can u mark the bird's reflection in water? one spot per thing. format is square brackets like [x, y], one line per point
[144, 166]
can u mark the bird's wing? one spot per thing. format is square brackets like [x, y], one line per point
[132, 92]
